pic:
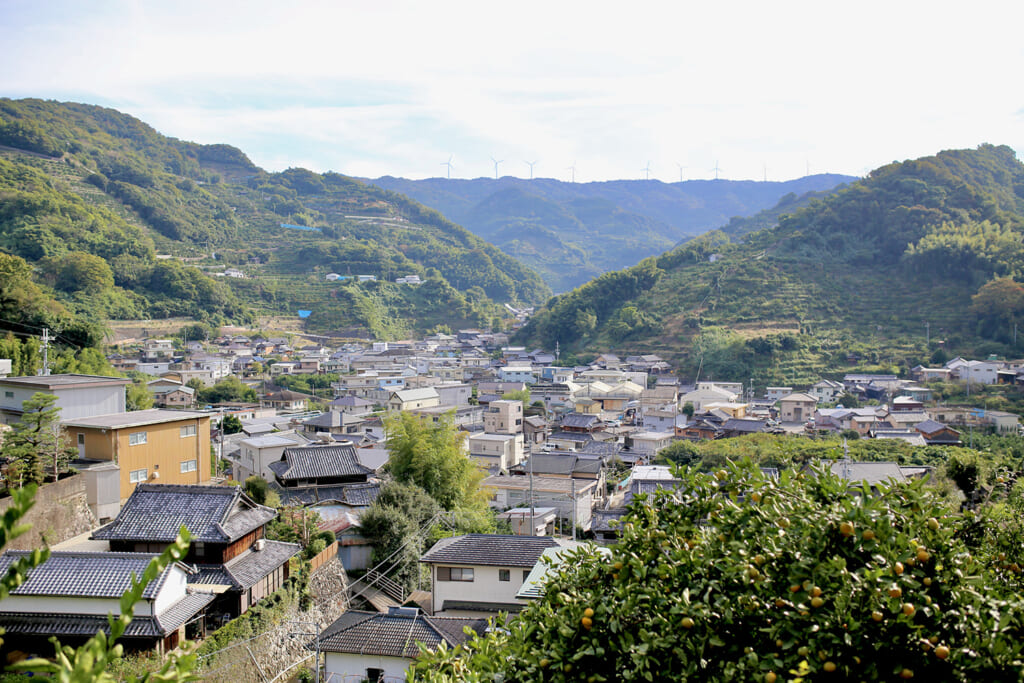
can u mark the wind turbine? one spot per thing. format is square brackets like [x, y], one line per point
[681, 167]
[647, 171]
[496, 162]
[716, 170]
[449, 165]
[572, 170]
[530, 164]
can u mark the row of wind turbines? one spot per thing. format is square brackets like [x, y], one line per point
[646, 170]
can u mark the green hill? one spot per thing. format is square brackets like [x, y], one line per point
[921, 251]
[572, 232]
[122, 222]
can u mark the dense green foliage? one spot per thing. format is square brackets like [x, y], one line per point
[90, 195]
[741, 577]
[430, 455]
[865, 275]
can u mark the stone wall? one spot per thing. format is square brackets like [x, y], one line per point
[276, 656]
[61, 512]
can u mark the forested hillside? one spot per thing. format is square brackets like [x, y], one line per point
[121, 222]
[572, 232]
[918, 253]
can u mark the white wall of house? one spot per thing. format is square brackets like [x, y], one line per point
[342, 667]
[486, 585]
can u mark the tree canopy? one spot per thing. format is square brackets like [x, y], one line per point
[432, 456]
[739, 576]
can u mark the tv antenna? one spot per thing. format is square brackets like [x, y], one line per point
[681, 167]
[647, 171]
[530, 164]
[496, 162]
[716, 170]
[449, 165]
[572, 172]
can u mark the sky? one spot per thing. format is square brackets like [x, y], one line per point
[588, 91]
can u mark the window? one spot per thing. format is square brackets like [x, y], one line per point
[504, 575]
[138, 476]
[187, 430]
[454, 574]
[374, 675]
[8, 394]
[526, 574]
[188, 466]
[136, 438]
[81, 439]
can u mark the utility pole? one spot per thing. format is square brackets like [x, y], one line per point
[533, 512]
[573, 499]
[45, 349]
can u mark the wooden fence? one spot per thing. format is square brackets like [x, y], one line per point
[324, 556]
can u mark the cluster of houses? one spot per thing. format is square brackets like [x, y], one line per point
[548, 461]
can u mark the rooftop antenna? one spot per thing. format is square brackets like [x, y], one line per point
[449, 165]
[572, 171]
[681, 167]
[496, 162]
[530, 164]
[647, 171]
[716, 170]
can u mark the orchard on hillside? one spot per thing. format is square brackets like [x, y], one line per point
[741, 577]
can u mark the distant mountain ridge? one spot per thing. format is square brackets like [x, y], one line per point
[572, 232]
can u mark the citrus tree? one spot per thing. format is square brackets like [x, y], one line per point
[736, 576]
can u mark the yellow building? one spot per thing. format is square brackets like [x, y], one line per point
[165, 446]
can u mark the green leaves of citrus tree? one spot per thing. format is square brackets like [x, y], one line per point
[738, 576]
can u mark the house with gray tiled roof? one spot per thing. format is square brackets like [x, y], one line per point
[70, 594]
[228, 539]
[372, 646]
[480, 574]
[319, 466]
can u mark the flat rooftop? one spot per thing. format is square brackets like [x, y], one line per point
[55, 381]
[138, 418]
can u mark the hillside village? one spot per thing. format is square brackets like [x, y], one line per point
[565, 450]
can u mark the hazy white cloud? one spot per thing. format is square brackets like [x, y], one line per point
[395, 87]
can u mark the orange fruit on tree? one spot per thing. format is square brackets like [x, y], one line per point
[846, 528]
[898, 568]
[942, 652]
[829, 667]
